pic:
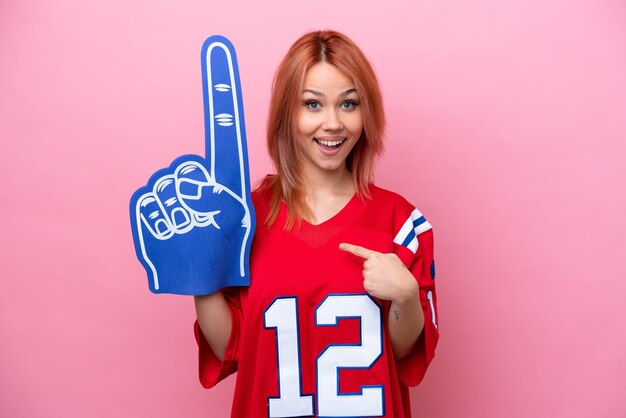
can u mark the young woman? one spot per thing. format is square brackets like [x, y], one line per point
[340, 316]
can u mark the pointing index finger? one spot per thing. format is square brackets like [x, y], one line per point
[225, 133]
[357, 250]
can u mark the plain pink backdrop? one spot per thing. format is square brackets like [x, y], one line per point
[507, 124]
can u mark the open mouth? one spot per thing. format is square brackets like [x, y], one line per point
[328, 144]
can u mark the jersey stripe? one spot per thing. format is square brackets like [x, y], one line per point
[410, 237]
[407, 236]
[413, 245]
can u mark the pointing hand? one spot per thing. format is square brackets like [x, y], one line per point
[384, 275]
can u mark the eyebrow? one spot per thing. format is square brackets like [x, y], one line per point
[319, 93]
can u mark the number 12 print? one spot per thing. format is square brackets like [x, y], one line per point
[282, 316]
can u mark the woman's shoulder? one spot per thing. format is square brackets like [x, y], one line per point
[263, 186]
[262, 193]
[398, 208]
[389, 198]
[409, 225]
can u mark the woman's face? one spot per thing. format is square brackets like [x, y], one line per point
[328, 120]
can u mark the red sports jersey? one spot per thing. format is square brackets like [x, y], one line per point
[307, 339]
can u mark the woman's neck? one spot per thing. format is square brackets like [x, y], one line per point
[323, 185]
[326, 194]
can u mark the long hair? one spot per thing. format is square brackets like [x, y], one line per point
[336, 49]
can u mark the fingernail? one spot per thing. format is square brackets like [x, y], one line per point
[161, 227]
[180, 218]
[189, 190]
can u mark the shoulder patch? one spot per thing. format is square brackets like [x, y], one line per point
[412, 227]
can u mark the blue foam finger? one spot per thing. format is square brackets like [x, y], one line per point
[193, 222]
[225, 132]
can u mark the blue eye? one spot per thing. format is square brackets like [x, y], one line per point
[348, 105]
[312, 104]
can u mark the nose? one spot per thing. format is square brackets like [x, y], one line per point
[332, 121]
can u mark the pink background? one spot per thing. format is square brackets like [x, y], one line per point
[507, 124]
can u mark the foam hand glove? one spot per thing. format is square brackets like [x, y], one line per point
[193, 222]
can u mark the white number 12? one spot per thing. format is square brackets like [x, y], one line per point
[282, 315]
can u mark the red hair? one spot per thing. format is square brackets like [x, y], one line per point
[336, 49]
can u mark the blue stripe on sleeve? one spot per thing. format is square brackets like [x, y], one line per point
[408, 238]
[417, 222]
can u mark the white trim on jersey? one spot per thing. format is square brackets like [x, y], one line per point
[415, 225]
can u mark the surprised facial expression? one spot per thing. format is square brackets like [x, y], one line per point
[328, 120]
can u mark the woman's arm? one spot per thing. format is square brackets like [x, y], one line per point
[406, 321]
[214, 320]
[387, 278]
